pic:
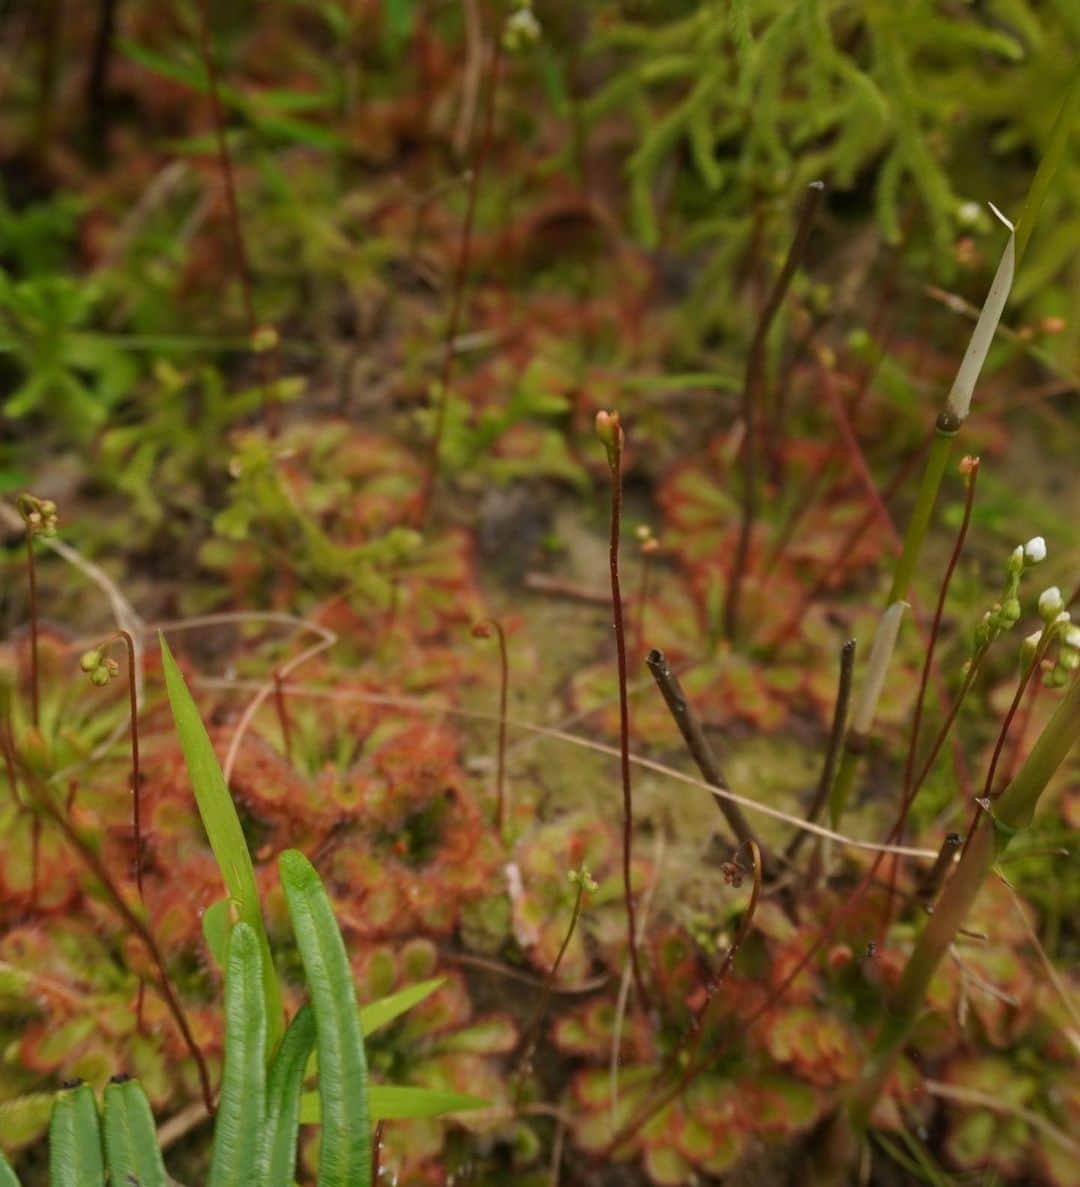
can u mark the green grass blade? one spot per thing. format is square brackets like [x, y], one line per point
[345, 1141]
[8, 1177]
[242, 1106]
[398, 1102]
[277, 1153]
[131, 1145]
[386, 1009]
[75, 1158]
[223, 830]
[1056, 148]
[382, 1012]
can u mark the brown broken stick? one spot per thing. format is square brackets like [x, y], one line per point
[702, 754]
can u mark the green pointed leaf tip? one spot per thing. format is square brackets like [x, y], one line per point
[242, 1107]
[223, 828]
[382, 1012]
[7, 1175]
[345, 1140]
[75, 1158]
[131, 1145]
[400, 1102]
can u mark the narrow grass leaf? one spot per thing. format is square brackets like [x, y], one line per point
[131, 1145]
[345, 1141]
[75, 1158]
[399, 1102]
[215, 930]
[242, 1107]
[386, 1009]
[8, 1178]
[277, 1152]
[223, 830]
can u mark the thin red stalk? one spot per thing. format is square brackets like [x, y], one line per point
[225, 159]
[854, 451]
[457, 302]
[698, 1029]
[924, 678]
[615, 450]
[529, 1033]
[983, 804]
[282, 715]
[143, 931]
[1022, 728]
[500, 766]
[856, 533]
[1006, 725]
[93, 862]
[31, 572]
[935, 628]
[481, 631]
[753, 397]
[843, 912]
[267, 363]
[943, 733]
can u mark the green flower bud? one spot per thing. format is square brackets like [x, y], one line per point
[90, 660]
[1009, 614]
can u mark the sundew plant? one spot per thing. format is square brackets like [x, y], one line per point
[540, 628]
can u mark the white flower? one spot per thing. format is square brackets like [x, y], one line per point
[1051, 603]
[1035, 550]
[1030, 646]
[1072, 638]
[521, 29]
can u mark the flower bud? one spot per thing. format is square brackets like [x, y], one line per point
[264, 338]
[609, 430]
[100, 676]
[90, 660]
[1029, 648]
[1035, 550]
[1051, 603]
[1016, 561]
[1009, 614]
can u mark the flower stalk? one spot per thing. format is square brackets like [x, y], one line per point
[609, 430]
[1009, 815]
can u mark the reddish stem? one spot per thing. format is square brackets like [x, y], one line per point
[1022, 728]
[1006, 725]
[714, 984]
[268, 359]
[282, 715]
[829, 572]
[753, 398]
[31, 572]
[89, 855]
[615, 450]
[924, 679]
[457, 302]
